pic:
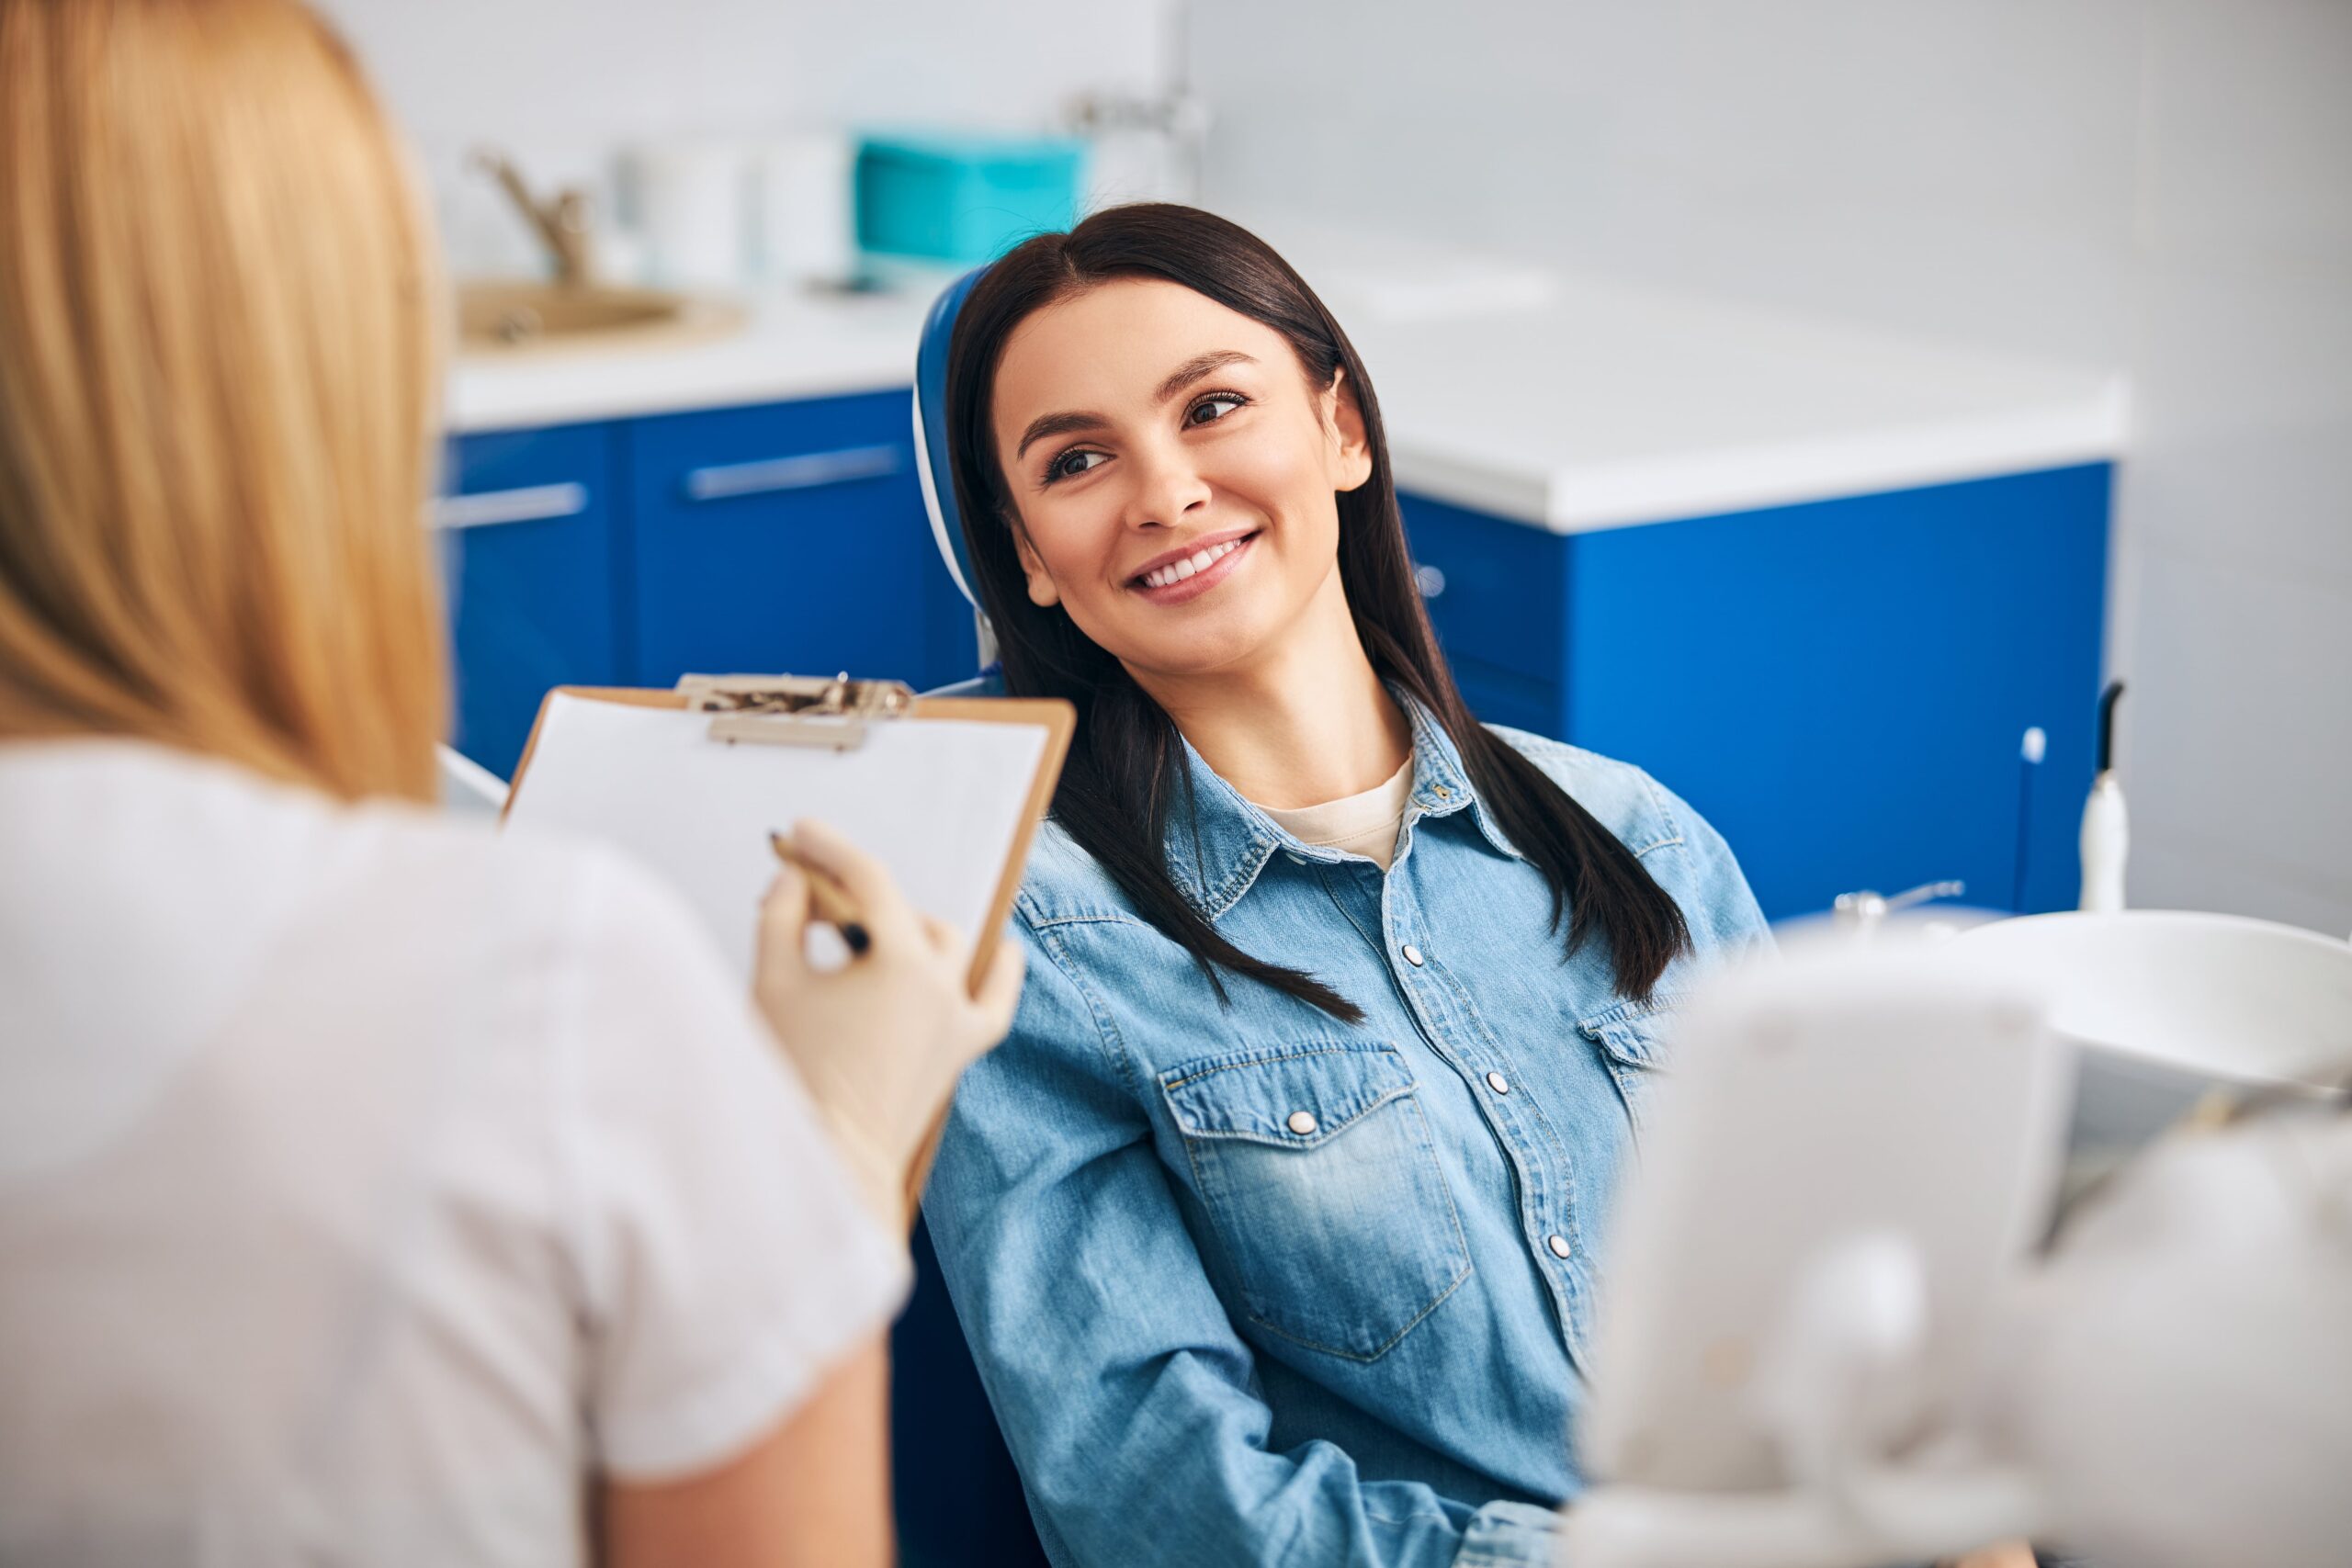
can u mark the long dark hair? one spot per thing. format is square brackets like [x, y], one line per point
[1125, 776]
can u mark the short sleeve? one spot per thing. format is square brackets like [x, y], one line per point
[724, 1260]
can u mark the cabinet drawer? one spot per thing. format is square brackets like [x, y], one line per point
[1496, 590]
[525, 530]
[784, 537]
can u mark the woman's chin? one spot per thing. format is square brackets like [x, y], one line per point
[1216, 644]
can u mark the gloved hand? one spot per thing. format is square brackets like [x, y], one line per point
[881, 1041]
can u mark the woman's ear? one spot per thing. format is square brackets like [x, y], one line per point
[1042, 589]
[1343, 416]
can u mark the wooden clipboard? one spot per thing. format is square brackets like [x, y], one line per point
[826, 712]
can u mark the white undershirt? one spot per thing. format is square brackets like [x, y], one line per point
[1364, 824]
[366, 1180]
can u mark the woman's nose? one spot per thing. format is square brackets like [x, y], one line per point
[1168, 487]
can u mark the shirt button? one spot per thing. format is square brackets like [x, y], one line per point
[1444, 792]
[1412, 955]
[1302, 1122]
[1559, 1245]
[1498, 1083]
[1294, 859]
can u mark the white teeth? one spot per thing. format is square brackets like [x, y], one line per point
[1176, 571]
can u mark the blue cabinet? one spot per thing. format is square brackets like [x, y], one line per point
[1839, 686]
[787, 537]
[529, 572]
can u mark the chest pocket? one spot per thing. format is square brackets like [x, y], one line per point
[1633, 1038]
[1317, 1166]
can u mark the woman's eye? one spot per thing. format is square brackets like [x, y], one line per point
[1069, 465]
[1213, 407]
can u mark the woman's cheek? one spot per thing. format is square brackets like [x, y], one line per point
[1277, 474]
[1076, 539]
[1262, 469]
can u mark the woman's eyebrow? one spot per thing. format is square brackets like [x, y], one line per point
[1183, 375]
[1056, 424]
[1192, 369]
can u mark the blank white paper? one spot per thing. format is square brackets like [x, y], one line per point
[938, 801]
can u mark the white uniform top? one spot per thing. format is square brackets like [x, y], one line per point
[366, 1180]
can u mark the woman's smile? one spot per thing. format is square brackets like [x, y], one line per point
[1180, 576]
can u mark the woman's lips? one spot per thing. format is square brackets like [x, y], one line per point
[1226, 556]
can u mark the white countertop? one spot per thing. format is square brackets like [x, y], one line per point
[1611, 405]
[1563, 401]
[791, 345]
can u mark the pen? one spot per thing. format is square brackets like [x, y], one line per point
[834, 905]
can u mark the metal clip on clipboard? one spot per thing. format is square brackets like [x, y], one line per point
[794, 710]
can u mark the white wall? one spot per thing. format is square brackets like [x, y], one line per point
[1961, 165]
[562, 83]
[2161, 185]
[2235, 587]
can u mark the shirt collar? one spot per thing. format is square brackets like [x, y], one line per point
[1217, 857]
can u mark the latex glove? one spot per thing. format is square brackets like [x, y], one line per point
[881, 1041]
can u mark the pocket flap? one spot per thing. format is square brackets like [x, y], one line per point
[1291, 1096]
[1635, 1034]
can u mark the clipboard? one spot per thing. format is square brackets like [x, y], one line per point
[681, 778]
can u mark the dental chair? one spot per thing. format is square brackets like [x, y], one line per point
[938, 477]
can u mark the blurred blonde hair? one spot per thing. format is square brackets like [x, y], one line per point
[218, 375]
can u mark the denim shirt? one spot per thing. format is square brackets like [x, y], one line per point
[1250, 1284]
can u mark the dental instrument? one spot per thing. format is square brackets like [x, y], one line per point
[2106, 829]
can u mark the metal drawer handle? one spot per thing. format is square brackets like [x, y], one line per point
[1430, 580]
[811, 470]
[532, 504]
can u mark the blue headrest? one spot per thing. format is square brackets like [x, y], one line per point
[931, 433]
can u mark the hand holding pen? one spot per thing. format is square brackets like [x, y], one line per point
[827, 896]
[880, 1042]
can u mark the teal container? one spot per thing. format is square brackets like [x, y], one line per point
[964, 196]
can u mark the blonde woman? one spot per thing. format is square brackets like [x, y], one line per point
[369, 1190]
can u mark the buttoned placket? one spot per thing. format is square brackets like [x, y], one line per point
[1385, 907]
[1448, 1023]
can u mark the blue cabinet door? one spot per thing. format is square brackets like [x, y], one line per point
[527, 549]
[1841, 687]
[789, 537]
